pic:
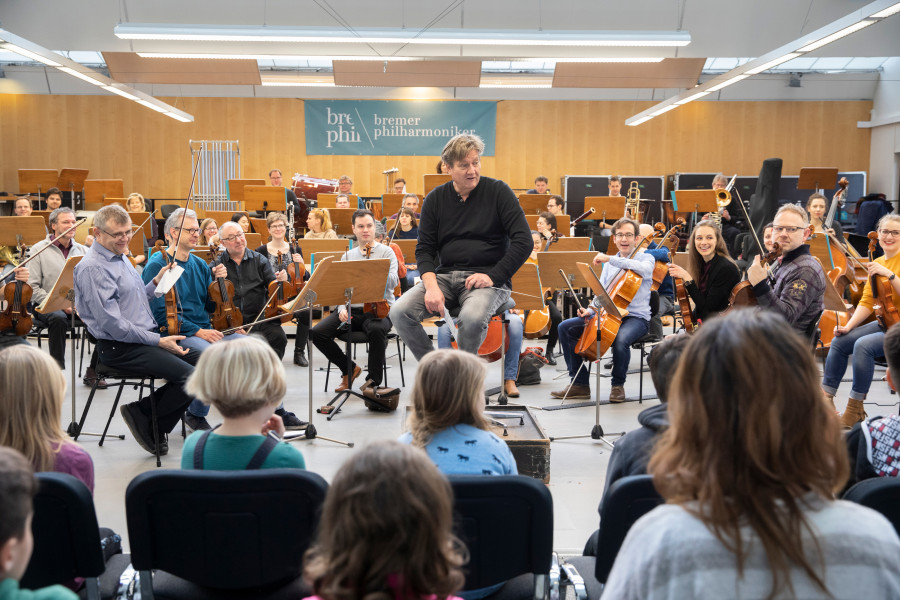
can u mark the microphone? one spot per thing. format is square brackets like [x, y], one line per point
[391, 170]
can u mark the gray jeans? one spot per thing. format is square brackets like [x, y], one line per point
[476, 307]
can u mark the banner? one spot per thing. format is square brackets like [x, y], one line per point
[395, 127]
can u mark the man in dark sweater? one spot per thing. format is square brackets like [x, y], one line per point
[473, 237]
[632, 452]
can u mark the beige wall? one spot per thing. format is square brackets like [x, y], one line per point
[116, 138]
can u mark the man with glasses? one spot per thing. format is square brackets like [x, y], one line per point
[634, 326]
[798, 288]
[114, 303]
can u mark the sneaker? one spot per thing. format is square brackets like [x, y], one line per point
[573, 392]
[300, 358]
[608, 364]
[139, 425]
[290, 420]
[195, 423]
[617, 394]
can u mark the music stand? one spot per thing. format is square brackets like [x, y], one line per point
[562, 223]
[408, 249]
[311, 245]
[571, 244]
[606, 304]
[308, 295]
[259, 226]
[392, 203]
[534, 204]
[606, 208]
[319, 256]
[36, 181]
[44, 214]
[236, 191]
[695, 201]
[433, 180]
[366, 280]
[72, 179]
[329, 200]
[342, 220]
[111, 200]
[265, 198]
[817, 178]
[21, 230]
[96, 190]
[550, 264]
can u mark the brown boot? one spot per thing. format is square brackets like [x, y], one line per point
[573, 392]
[511, 390]
[346, 383]
[853, 414]
[617, 394]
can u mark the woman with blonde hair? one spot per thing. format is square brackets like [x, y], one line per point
[243, 379]
[447, 419]
[749, 467]
[319, 224]
[32, 389]
[209, 233]
[386, 531]
[711, 272]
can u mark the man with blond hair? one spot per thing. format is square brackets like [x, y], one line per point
[473, 237]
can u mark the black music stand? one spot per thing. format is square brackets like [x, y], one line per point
[309, 296]
[366, 280]
[607, 304]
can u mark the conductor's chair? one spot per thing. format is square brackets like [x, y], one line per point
[506, 523]
[67, 540]
[204, 535]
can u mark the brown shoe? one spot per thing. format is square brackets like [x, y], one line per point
[853, 414]
[829, 401]
[511, 390]
[573, 392]
[346, 383]
[617, 394]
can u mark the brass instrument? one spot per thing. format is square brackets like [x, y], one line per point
[632, 201]
[723, 199]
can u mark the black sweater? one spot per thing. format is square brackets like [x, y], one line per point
[723, 276]
[486, 233]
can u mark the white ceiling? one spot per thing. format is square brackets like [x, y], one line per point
[725, 29]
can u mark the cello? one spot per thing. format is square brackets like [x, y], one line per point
[537, 322]
[882, 292]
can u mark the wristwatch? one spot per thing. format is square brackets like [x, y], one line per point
[891, 278]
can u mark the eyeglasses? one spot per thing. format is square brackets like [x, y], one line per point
[788, 230]
[122, 235]
[624, 235]
[888, 233]
[237, 236]
[191, 231]
[277, 226]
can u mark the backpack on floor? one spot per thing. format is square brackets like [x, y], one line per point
[530, 363]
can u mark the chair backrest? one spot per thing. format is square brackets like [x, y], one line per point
[167, 209]
[224, 529]
[626, 501]
[66, 536]
[812, 331]
[507, 524]
[881, 494]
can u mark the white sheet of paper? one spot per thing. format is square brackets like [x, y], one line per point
[168, 280]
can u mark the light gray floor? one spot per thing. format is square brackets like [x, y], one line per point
[578, 467]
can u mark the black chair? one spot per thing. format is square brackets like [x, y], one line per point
[881, 494]
[67, 540]
[167, 209]
[507, 525]
[626, 501]
[223, 534]
[359, 337]
[813, 334]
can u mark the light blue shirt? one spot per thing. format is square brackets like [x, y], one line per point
[467, 450]
[112, 300]
[642, 264]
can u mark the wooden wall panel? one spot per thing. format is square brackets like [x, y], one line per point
[115, 138]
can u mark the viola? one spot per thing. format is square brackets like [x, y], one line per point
[381, 308]
[221, 292]
[742, 294]
[279, 293]
[15, 317]
[173, 324]
[298, 272]
[882, 292]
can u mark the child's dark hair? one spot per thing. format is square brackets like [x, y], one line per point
[17, 489]
[663, 361]
[386, 530]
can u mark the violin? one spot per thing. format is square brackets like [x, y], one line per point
[882, 292]
[381, 308]
[173, 324]
[15, 317]
[296, 274]
[279, 292]
[221, 292]
[742, 294]
[537, 322]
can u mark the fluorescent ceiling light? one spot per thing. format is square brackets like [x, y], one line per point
[152, 106]
[891, 10]
[772, 63]
[201, 55]
[692, 98]
[29, 54]
[467, 37]
[122, 93]
[726, 83]
[836, 36]
[639, 121]
[178, 117]
[506, 86]
[81, 76]
[297, 84]
[664, 109]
